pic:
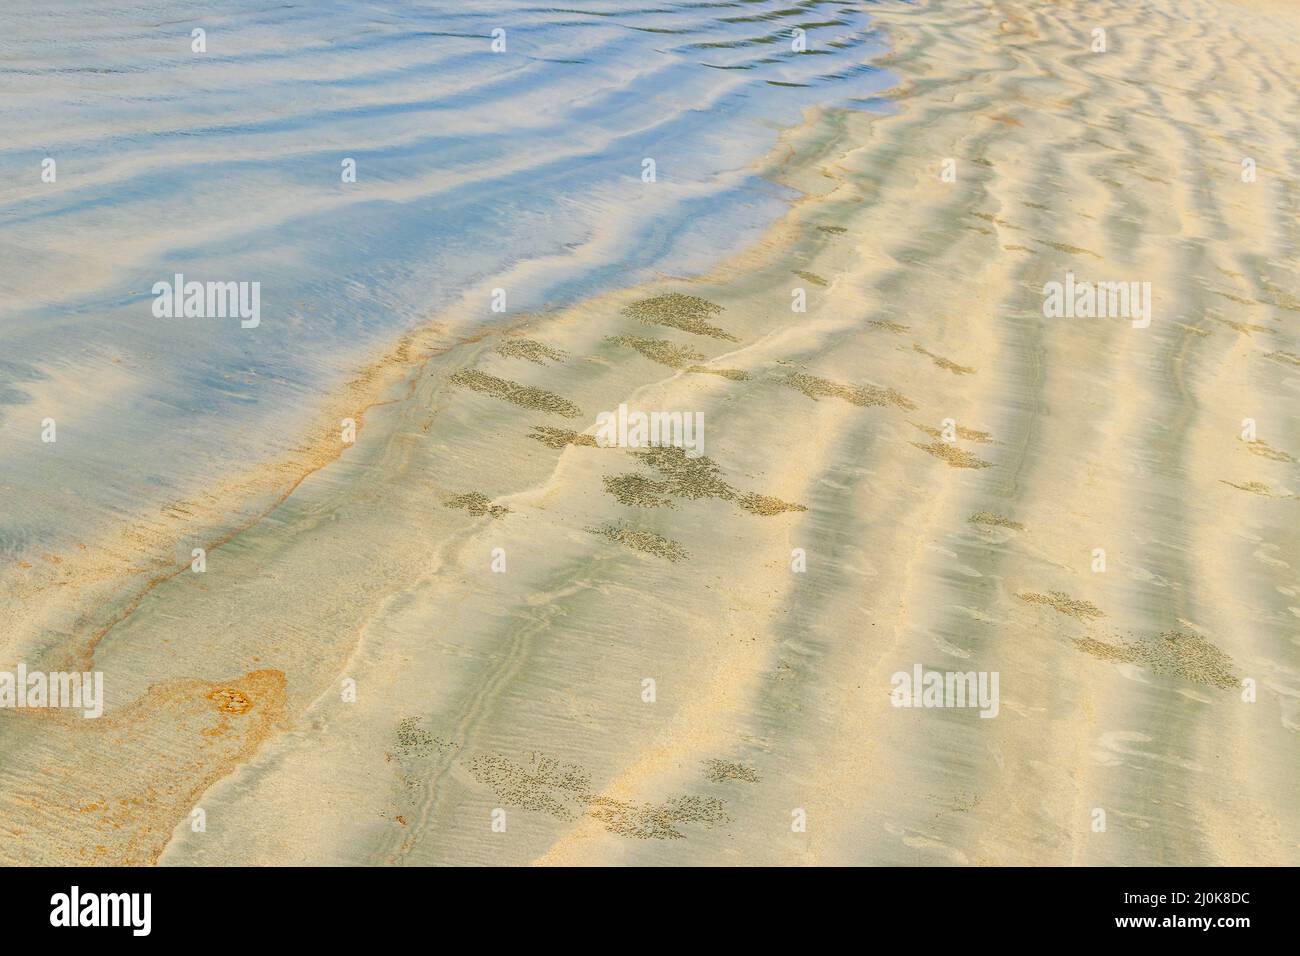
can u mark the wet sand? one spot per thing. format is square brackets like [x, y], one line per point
[942, 458]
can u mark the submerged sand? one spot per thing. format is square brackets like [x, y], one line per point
[647, 657]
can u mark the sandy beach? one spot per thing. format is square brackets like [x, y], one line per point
[475, 635]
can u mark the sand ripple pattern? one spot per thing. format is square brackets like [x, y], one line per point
[523, 691]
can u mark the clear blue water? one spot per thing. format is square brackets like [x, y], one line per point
[475, 169]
